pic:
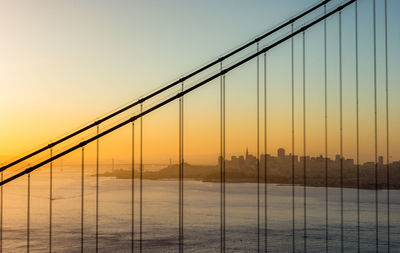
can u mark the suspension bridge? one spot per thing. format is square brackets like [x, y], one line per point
[287, 203]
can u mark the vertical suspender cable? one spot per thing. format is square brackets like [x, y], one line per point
[182, 167]
[133, 190]
[265, 159]
[258, 152]
[341, 132]
[376, 135]
[293, 188]
[221, 168]
[1, 215]
[222, 164]
[222, 159]
[28, 214]
[97, 191]
[182, 170]
[51, 203]
[141, 181]
[304, 143]
[181, 173]
[82, 194]
[326, 139]
[387, 133]
[357, 130]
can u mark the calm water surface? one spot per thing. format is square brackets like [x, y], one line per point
[201, 216]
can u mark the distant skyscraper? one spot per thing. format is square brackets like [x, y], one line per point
[380, 160]
[281, 153]
[219, 161]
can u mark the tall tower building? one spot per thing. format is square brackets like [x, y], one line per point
[380, 161]
[281, 153]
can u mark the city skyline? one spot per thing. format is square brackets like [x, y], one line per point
[281, 155]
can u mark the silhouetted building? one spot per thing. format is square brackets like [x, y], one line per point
[369, 165]
[281, 153]
[380, 161]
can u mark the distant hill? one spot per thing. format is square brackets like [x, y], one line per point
[276, 174]
[119, 174]
[198, 172]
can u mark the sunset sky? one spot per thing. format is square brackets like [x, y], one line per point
[65, 63]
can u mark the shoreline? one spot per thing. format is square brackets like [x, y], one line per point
[381, 187]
